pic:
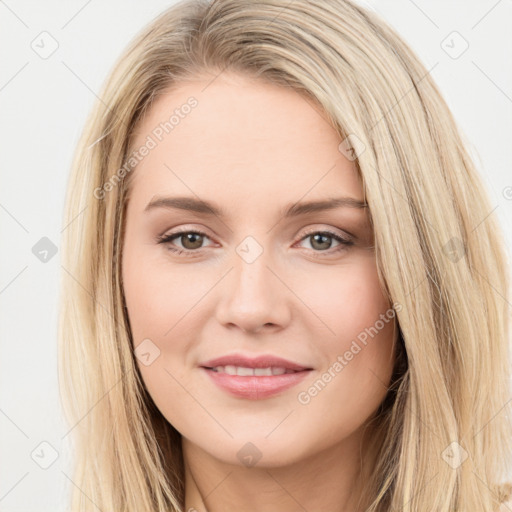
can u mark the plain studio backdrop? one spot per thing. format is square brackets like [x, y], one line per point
[55, 57]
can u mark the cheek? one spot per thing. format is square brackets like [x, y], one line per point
[345, 299]
[356, 342]
[166, 308]
[157, 296]
[158, 301]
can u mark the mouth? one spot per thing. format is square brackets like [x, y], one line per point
[254, 383]
[244, 371]
[246, 363]
[254, 378]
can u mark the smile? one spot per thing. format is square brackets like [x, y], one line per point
[244, 371]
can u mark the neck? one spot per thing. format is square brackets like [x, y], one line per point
[327, 480]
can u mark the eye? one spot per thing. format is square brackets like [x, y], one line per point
[319, 241]
[190, 240]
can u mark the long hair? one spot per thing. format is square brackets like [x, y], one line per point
[442, 436]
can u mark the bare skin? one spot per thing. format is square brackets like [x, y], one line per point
[253, 149]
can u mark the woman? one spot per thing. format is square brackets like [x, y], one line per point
[280, 290]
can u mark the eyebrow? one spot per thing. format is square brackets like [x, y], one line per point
[207, 208]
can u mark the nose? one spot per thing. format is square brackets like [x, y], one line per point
[253, 297]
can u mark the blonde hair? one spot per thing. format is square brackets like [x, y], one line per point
[438, 252]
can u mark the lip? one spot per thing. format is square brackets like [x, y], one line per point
[261, 361]
[255, 387]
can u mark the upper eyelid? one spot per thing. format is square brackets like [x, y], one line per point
[182, 231]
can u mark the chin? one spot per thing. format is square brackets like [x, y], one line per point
[258, 451]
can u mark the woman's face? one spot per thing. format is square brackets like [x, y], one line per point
[254, 281]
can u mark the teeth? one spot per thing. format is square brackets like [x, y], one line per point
[262, 371]
[245, 372]
[240, 370]
[230, 370]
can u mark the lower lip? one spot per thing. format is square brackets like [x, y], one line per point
[256, 387]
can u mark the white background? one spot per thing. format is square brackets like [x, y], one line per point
[44, 105]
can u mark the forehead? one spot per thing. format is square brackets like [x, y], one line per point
[241, 141]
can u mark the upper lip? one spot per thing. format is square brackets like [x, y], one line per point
[261, 361]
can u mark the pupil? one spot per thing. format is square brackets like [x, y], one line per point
[323, 245]
[189, 238]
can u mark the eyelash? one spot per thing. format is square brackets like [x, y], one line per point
[166, 239]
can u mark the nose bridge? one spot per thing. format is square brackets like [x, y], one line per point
[251, 275]
[251, 272]
[252, 295]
